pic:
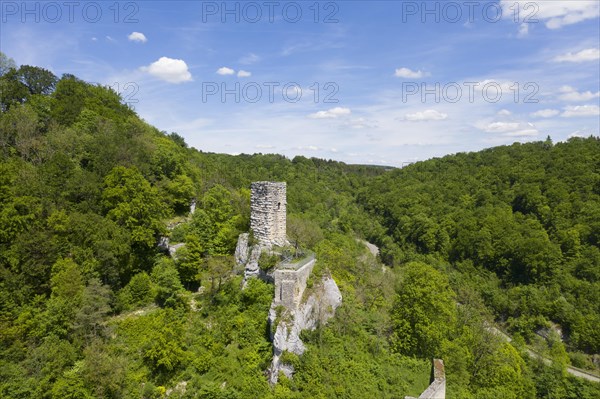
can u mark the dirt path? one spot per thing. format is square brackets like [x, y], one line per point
[570, 369]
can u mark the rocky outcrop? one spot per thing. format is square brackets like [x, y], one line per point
[241, 249]
[252, 269]
[289, 315]
[247, 255]
[166, 246]
[287, 324]
[163, 242]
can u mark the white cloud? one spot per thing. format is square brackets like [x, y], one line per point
[249, 59]
[501, 127]
[504, 112]
[570, 94]
[493, 87]
[110, 39]
[360, 123]
[308, 148]
[264, 146]
[555, 13]
[408, 73]
[523, 133]
[169, 69]
[577, 133]
[137, 37]
[225, 71]
[581, 110]
[588, 54]
[510, 129]
[292, 91]
[427, 115]
[545, 113]
[332, 113]
[523, 30]
[243, 74]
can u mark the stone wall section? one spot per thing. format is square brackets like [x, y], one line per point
[437, 388]
[290, 283]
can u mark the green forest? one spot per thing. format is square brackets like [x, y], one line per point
[92, 307]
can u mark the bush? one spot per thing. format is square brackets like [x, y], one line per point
[138, 292]
[267, 262]
[581, 360]
[168, 284]
[290, 358]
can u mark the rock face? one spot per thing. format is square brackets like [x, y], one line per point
[248, 256]
[252, 269]
[163, 242]
[241, 249]
[318, 308]
[268, 212]
[165, 245]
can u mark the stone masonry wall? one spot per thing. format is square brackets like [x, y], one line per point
[437, 389]
[290, 284]
[268, 208]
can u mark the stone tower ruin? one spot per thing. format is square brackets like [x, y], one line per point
[268, 212]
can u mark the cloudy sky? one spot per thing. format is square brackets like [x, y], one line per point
[383, 82]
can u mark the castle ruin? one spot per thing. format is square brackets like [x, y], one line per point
[268, 208]
[290, 312]
[290, 282]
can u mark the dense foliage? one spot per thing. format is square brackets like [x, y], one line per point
[517, 227]
[92, 307]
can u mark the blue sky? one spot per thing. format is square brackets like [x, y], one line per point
[382, 82]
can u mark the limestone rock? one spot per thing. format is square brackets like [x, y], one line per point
[247, 256]
[165, 245]
[318, 309]
[173, 249]
[252, 269]
[241, 249]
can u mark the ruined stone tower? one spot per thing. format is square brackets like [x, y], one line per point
[268, 212]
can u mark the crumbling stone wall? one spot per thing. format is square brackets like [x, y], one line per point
[437, 389]
[290, 283]
[268, 208]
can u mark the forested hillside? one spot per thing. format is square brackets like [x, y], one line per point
[91, 307]
[516, 227]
